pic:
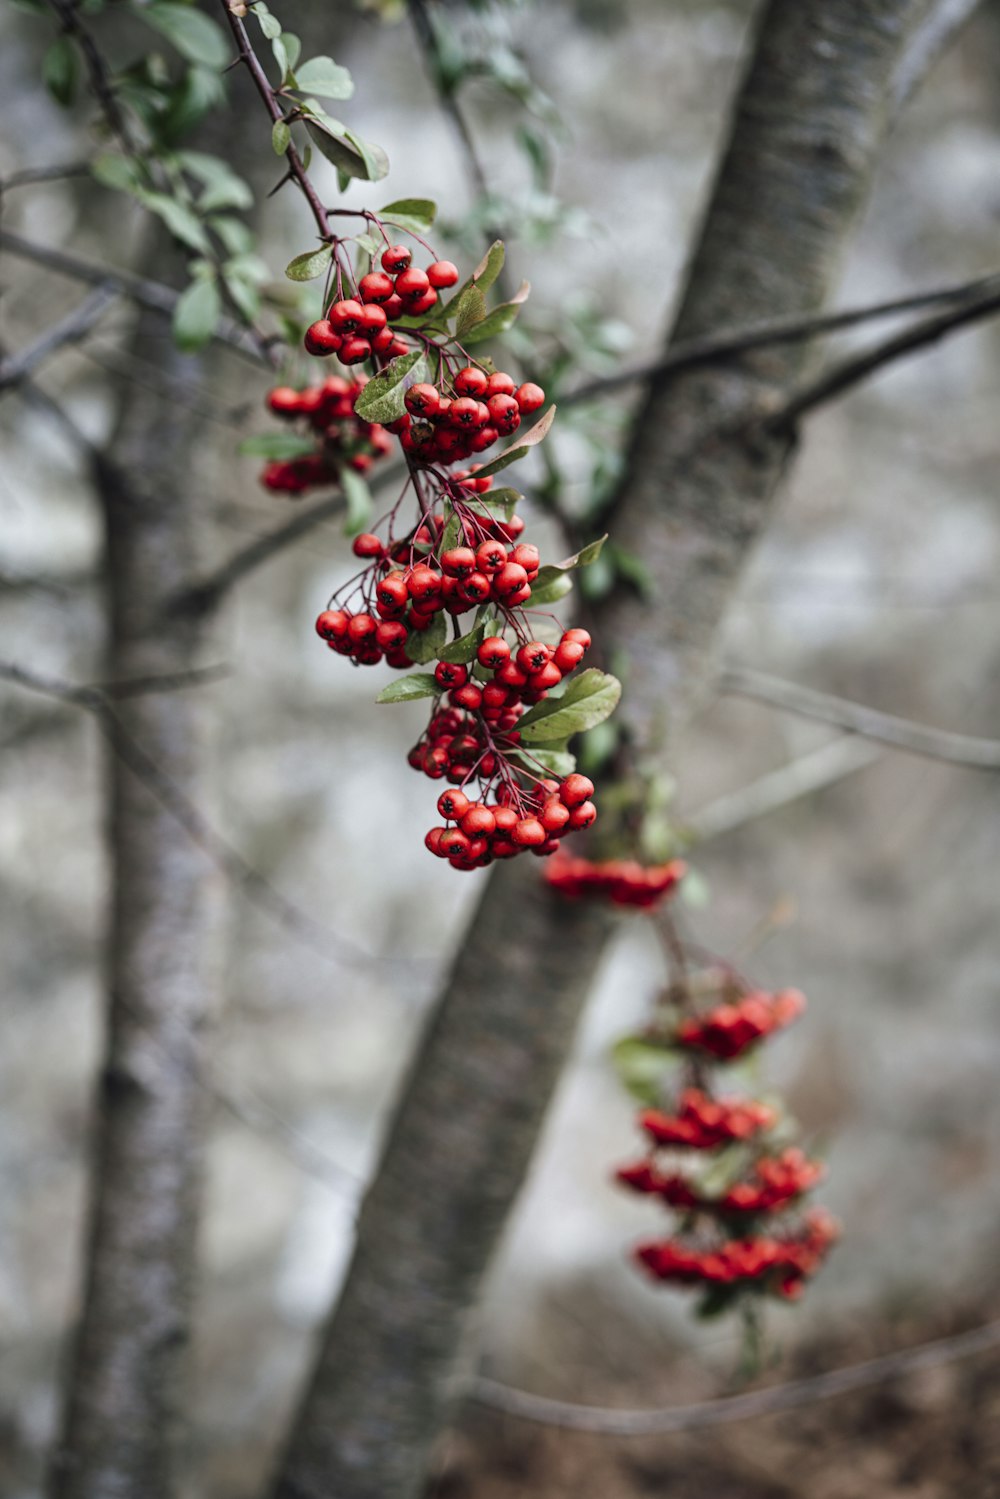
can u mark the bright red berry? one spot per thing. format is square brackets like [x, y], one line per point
[284, 401]
[332, 624]
[367, 545]
[471, 382]
[376, 287]
[528, 832]
[412, 283]
[575, 790]
[529, 397]
[450, 674]
[494, 652]
[422, 399]
[442, 273]
[396, 258]
[322, 338]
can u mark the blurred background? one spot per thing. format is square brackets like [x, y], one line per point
[877, 580]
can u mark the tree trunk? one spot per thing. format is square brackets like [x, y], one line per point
[804, 144]
[124, 1384]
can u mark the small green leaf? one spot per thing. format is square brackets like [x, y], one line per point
[369, 244]
[277, 445]
[462, 651]
[310, 264]
[360, 505]
[348, 152]
[195, 36]
[235, 235]
[269, 25]
[640, 1065]
[550, 590]
[382, 399]
[281, 137]
[244, 294]
[292, 46]
[222, 187]
[426, 645]
[415, 214]
[454, 531]
[585, 556]
[179, 219]
[470, 310]
[495, 501]
[512, 454]
[60, 70]
[588, 700]
[490, 266]
[501, 319]
[323, 76]
[557, 762]
[405, 689]
[117, 172]
[196, 315]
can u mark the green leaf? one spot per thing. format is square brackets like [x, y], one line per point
[310, 264]
[269, 25]
[323, 76]
[277, 445]
[117, 172]
[196, 315]
[360, 505]
[490, 266]
[382, 399]
[405, 689]
[416, 215]
[585, 556]
[426, 645]
[588, 700]
[179, 219]
[198, 91]
[292, 46]
[462, 651]
[533, 436]
[369, 244]
[281, 137]
[550, 590]
[60, 70]
[470, 310]
[496, 501]
[348, 152]
[558, 762]
[222, 187]
[640, 1065]
[454, 531]
[195, 36]
[235, 235]
[501, 319]
[244, 293]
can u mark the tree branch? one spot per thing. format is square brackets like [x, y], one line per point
[855, 718]
[943, 22]
[69, 330]
[750, 1405]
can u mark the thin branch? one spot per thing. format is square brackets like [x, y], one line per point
[58, 172]
[69, 330]
[97, 71]
[257, 889]
[690, 353]
[423, 28]
[851, 371]
[942, 24]
[779, 788]
[856, 718]
[753, 1404]
[145, 293]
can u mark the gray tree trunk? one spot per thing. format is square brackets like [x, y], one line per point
[125, 1379]
[805, 140]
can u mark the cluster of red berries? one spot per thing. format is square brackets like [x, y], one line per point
[356, 328]
[625, 882]
[519, 819]
[731, 1028]
[464, 416]
[752, 1175]
[343, 439]
[780, 1264]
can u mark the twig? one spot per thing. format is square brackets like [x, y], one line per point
[690, 353]
[100, 81]
[755, 1403]
[812, 772]
[254, 885]
[151, 294]
[69, 330]
[857, 367]
[423, 27]
[856, 718]
[58, 172]
[930, 39]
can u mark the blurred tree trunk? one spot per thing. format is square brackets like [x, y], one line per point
[805, 140]
[126, 1374]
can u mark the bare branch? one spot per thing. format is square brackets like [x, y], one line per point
[58, 172]
[69, 330]
[769, 793]
[855, 718]
[715, 348]
[851, 371]
[940, 27]
[97, 71]
[753, 1404]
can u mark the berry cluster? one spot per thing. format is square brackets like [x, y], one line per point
[625, 882]
[730, 1171]
[731, 1028]
[518, 820]
[466, 416]
[357, 328]
[342, 439]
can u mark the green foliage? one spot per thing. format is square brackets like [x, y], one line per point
[425, 645]
[383, 398]
[588, 700]
[197, 314]
[406, 689]
[360, 504]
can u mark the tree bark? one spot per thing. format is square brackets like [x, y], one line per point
[804, 143]
[120, 1433]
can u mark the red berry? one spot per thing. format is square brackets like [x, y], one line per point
[442, 273]
[529, 833]
[416, 305]
[422, 399]
[576, 789]
[493, 652]
[471, 382]
[412, 283]
[332, 624]
[284, 401]
[450, 674]
[509, 579]
[353, 350]
[382, 341]
[478, 822]
[490, 555]
[322, 338]
[373, 321]
[376, 287]
[568, 656]
[367, 545]
[465, 413]
[580, 637]
[511, 675]
[554, 815]
[470, 696]
[390, 635]
[453, 804]
[423, 582]
[547, 676]
[529, 397]
[500, 385]
[504, 413]
[396, 258]
[459, 561]
[475, 589]
[533, 656]
[583, 815]
[528, 556]
[361, 628]
[393, 307]
[392, 591]
[346, 316]
[454, 844]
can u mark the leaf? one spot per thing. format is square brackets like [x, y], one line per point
[60, 70]
[502, 501]
[369, 244]
[117, 172]
[425, 645]
[461, 651]
[179, 219]
[269, 25]
[454, 532]
[348, 152]
[235, 235]
[382, 399]
[415, 214]
[470, 310]
[281, 137]
[550, 590]
[558, 762]
[640, 1065]
[533, 436]
[197, 314]
[588, 700]
[244, 294]
[277, 445]
[360, 504]
[195, 36]
[292, 46]
[417, 684]
[501, 319]
[310, 264]
[223, 188]
[323, 76]
[585, 556]
[490, 266]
